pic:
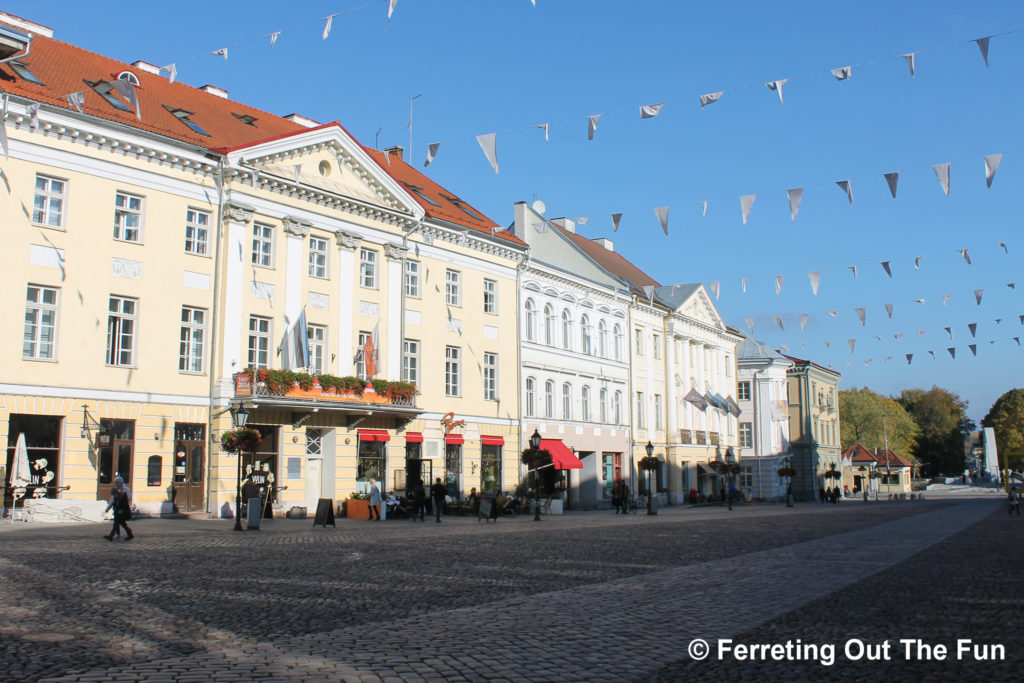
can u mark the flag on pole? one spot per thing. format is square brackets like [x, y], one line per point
[295, 347]
[371, 355]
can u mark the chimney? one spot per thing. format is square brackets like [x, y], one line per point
[568, 224]
[147, 67]
[214, 90]
[606, 243]
[395, 151]
[302, 120]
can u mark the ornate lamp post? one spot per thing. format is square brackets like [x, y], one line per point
[787, 472]
[648, 465]
[864, 480]
[536, 460]
[239, 418]
[732, 466]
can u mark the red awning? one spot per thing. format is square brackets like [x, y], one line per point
[374, 435]
[413, 437]
[492, 441]
[454, 439]
[561, 455]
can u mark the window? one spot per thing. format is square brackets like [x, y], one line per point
[566, 330]
[197, 232]
[746, 435]
[490, 296]
[531, 396]
[317, 336]
[411, 361]
[128, 76]
[318, 258]
[617, 333]
[640, 409]
[727, 361]
[743, 391]
[263, 245]
[22, 70]
[259, 342]
[585, 336]
[585, 404]
[462, 205]
[490, 467]
[193, 337]
[452, 371]
[617, 407]
[41, 306]
[656, 343]
[367, 268]
[566, 401]
[531, 320]
[183, 116]
[247, 119]
[602, 405]
[127, 217]
[490, 376]
[453, 287]
[602, 339]
[657, 412]
[48, 205]
[103, 89]
[638, 342]
[549, 399]
[549, 325]
[121, 318]
[412, 279]
[360, 356]
[418, 191]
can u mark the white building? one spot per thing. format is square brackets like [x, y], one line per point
[764, 417]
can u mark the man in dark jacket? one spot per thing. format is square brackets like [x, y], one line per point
[419, 502]
[438, 493]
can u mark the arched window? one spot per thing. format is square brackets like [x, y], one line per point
[617, 407]
[602, 400]
[617, 333]
[549, 325]
[531, 396]
[549, 399]
[567, 401]
[602, 339]
[531, 320]
[585, 336]
[566, 330]
[585, 404]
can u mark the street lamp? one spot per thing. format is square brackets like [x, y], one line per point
[239, 418]
[730, 465]
[535, 446]
[651, 510]
[789, 482]
[864, 479]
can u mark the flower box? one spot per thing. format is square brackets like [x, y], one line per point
[357, 509]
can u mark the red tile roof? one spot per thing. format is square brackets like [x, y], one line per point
[801, 361]
[862, 454]
[613, 262]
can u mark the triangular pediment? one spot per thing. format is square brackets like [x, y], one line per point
[329, 160]
[698, 306]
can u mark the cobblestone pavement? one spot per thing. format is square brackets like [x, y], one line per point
[589, 596]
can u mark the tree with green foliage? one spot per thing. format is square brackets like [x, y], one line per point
[875, 420]
[942, 418]
[1006, 417]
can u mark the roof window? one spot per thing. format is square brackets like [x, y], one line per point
[24, 73]
[183, 116]
[418, 191]
[103, 89]
[247, 119]
[130, 77]
[462, 205]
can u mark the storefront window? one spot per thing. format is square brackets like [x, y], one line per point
[42, 437]
[490, 468]
[371, 461]
[453, 469]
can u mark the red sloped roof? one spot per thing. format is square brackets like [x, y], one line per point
[860, 453]
[615, 263]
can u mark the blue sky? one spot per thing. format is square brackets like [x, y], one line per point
[504, 66]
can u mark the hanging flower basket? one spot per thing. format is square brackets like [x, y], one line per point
[786, 472]
[648, 463]
[833, 474]
[535, 459]
[244, 440]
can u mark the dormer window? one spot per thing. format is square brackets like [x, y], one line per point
[183, 116]
[418, 191]
[245, 118]
[462, 205]
[130, 77]
[24, 73]
[103, 89]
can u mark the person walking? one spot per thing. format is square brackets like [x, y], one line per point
[437, 493]
[617, 496]
[419, 500]
[121, 504]
[374, 500]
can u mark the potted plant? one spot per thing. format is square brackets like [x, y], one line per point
[244, 440]
[357, 506]
[351, 385]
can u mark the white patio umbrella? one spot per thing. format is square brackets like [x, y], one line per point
[21, 475]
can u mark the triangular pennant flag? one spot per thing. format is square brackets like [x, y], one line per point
[949, 330]
[273, 38]
[649, 111]
[546, 127]
[127, 91]
[649, 291]
[888, 309]
[897, 336]
[716, 288]
[592, 125]
[33, 111]
[815, 276]
[746, 202]
[784, 347]
[910, 62]
[878, 337]
[710, 98]
[750, 324]
[616, 217]
[392, 4]
[917, 262]
[998, 320]
[778, 321]
[947, 297]
[966, 254]
[662, 214]
[1017, 339]
[942, 172]
[222, 52]
[892, 179]
[973, 327]
[704, 209]
[888, 358]
[582, 220]
[861, 313]
[845, 186]
[172, 71]
[851, 342]
[795, 195]
[1003, 245]
[834, 314]
[743, 283]
[887, 268]
[1011, 285]
[327, 26]
[828, 343]
[977, 295]
[842, 73]
[296, 169]
[488, 143]
[991, 164]
[909, 357]
[803, 321]
[932, 354]
[983, 46]
[778, 283]
[868, 362]
[973, 348]
[77, 100]
[853, 269]
[1021, 319]
[431, 153]
[919, 301]
[777, 86]
[952, 351]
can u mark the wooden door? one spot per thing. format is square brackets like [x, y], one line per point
[188, 469]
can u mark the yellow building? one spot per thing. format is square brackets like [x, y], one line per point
[812, 395]
[163, 239]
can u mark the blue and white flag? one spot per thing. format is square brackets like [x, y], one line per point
[295, 347]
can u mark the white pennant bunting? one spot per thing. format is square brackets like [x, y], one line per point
[582, 220]
[983, 46]
[127, 91]
[704, 208]
[833, 313]
[972, 327]
[616, 217]
[33, 111]
[1017, 339]
[795, 195]
[273, 38]
[649, 291]
[947, 297]
[222, 52]
[488, 143]
[815, 276]
[887, 268]
[784, 347]
[949, 331]
[917, 262]
[845, 186]
[545, 126]
[991, 164]
[842, 73]
[966, 254]
[77, 100]
[592, 125]
[327, 27]
[746, 202]
[828, 343]
[861, 313]
[888, 310]
[778, 321]
[172, 71]
[750, 324]
[851, 342]
[716, 288]
[1002, 244]
[942, 172]
[778, 283]
[649, 111]
[743, 284]
[973, 348]
[919, 301]
[891, 179]
[910, 62]
[710, 98]
[868, 362]
[392, 4]
[853, 269]
[932, 354]
[909, 357]
[431, 153]
[803, 321]
[662, 214]
[977, 295]
[777, 86]
[952, 351]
